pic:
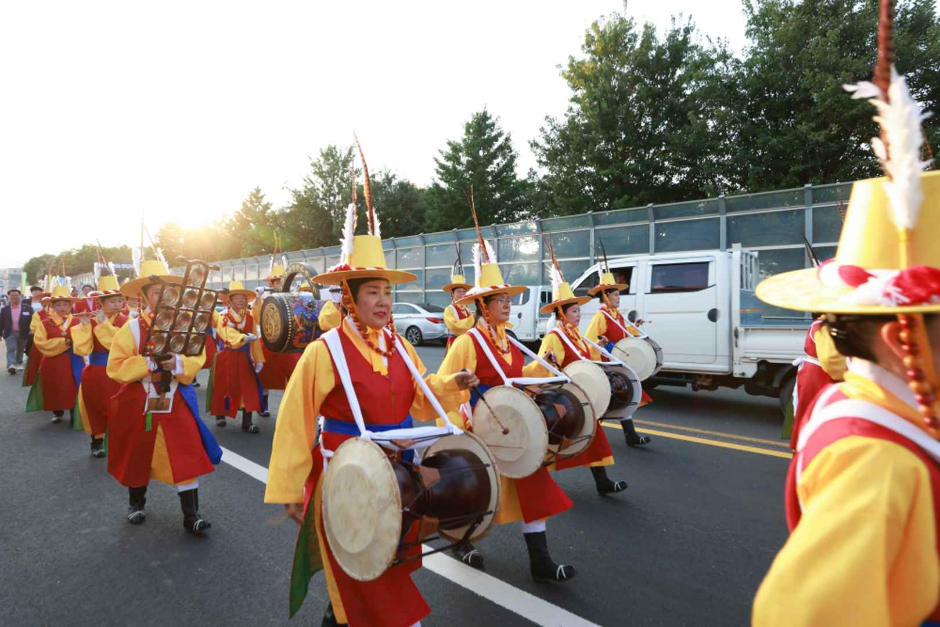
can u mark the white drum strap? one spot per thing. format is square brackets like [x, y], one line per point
[560, 377]
[622, 328]
[424, 386]
[335, 346]
[489, 354]
[601, 349]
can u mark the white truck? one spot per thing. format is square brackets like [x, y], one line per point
[701, 309]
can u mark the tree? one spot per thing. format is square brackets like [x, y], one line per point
[795, 123]
[211, 242]
[254, 225]
[485, 160]
[317, 210]
[643, 124]
[401, 205]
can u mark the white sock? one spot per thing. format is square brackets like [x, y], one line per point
[537, 526]
[188, 486]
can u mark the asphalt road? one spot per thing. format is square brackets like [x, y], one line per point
[686, 544]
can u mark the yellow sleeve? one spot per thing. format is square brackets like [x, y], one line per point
[124, 364]
[230, 334]
[461, 356]
[105, 333]
[454, 324]
[296, 427]
[831, 361]
[191, 367]
[257, 355]
[34, 323]
[443, 387]
[864, 552]
[48, 347]
[330, 317]
[550, 343]
[256, 316]
[597, 328]
[82, 342]
[632, 330]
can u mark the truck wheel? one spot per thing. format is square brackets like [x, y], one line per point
[786, 393]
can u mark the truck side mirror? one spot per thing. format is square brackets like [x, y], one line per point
[632, 316]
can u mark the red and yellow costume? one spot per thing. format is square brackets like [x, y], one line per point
[94, 395]
[235, 382]
[821, 367]
[457, 318]
[610, 323]
[34, 359]
[60, 370]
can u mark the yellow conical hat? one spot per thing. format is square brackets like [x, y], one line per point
[107, 286]
[60, 292]
[608, 283]
[866, 276]
[277, 271]
[456, 281]
[237, 287]
[149, 268]
[561, 289]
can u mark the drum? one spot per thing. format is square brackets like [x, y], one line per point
[371, 502]
[614, 390]
[643, 355]
[542, 420]
[289, 322]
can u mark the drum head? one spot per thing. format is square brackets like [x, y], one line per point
[520, 452]
[636, 392]
[591, 378]
[362, 509]
[583, 439]
[470, 442]
[638, 354]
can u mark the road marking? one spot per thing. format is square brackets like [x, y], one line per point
[721, 434]
[529, 606]
[689, 438]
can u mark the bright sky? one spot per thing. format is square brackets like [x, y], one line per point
[178, 109]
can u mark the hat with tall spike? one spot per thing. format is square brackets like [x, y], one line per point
[488, 280]
[362, 256]
[562, 295]
[457, 275]
[608, 283]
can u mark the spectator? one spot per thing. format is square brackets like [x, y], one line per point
[14, 327]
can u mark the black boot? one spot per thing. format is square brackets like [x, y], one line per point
[603, 482]
[97, 447]
[543, 567]
[247, 425]
[220, 421]
[189, 503]
[329, 619]
[135, 513]
[468, 554]
[633, 438]
[264, 403]
[57, 416]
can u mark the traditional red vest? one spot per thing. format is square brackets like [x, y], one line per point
[384, 400]
[485, 371]
[835, 430]
[614, 333]
[119, 321]
[570, 355]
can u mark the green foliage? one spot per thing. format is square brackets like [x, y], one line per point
[402, 206]
[315, 215]
[485, 159]
[75, 261]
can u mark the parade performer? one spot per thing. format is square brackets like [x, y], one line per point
[278, 367]
[863, 490]
[564, 345]
[821, 366]
[235, 383]
[39, 301]
[330, 316]
[86, 302]
[368, 349]
[607, 327]
[60, 370]
[152, 435]
[457, 318]
[92, 339]
[485, 350]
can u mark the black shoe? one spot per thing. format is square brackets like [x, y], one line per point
[220, 421]
[135, 513]
[57, 416]
[97, 447]
[633, 438]
[247, 425]
[11, 370]
[265, 414]
[469, 555]
[196, 384]
[189, 503]
[329, 619]
[264, 403]
[603, 482]
[541, 564]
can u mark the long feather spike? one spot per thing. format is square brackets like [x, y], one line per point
[476, 222]
[604, 251]
[366, 189]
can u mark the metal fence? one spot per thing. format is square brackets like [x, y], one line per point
[772, 223]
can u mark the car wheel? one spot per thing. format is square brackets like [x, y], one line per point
[413, 335]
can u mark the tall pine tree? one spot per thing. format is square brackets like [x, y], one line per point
[484, 159]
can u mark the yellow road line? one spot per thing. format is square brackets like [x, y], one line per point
[720, 434]
[689, 438]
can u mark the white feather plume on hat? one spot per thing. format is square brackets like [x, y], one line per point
[900, 120]
[135, 260]
[349, 233]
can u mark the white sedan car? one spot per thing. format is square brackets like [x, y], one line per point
[419, 322]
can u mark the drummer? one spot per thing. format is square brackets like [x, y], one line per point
[564, 345]
[608, 327]
[235, 382]
[457, 318]
[535, 498]
[388, 397]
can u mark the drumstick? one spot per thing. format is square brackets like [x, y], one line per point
[487, 405]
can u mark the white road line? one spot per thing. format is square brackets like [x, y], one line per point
[529, 606]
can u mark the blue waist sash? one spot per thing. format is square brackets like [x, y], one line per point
[345, 427]
[98, 358]
[78, 364]
[209, 443]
